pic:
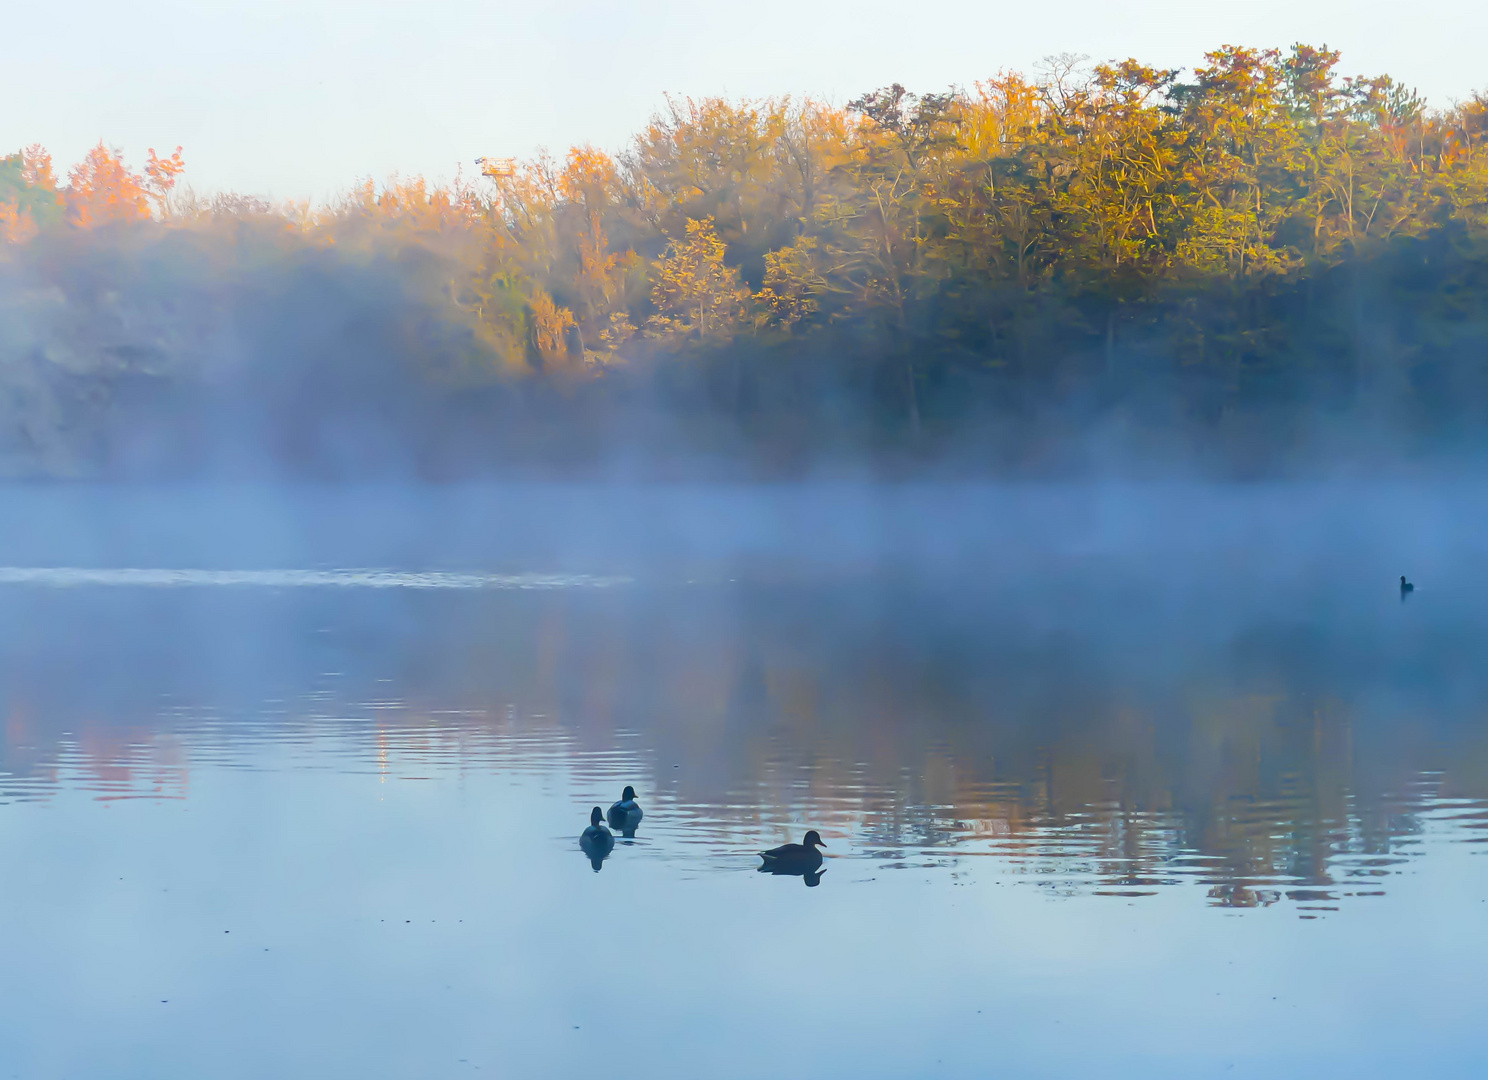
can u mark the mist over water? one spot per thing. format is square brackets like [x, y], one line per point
[1138, 779]
[1062, 495]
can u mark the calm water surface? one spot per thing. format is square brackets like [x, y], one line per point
[1086, 814]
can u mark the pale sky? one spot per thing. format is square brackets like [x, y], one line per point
[299, 99]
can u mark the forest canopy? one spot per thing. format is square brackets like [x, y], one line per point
[1239, 256]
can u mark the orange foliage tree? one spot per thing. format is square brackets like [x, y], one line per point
[160, 177]
[16, 224]
[101, 190]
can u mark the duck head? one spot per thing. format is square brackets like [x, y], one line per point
[596, 816]
[1402, 580]
[628, 795]
[813, 840]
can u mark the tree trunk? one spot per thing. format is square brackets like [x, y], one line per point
[909, 372]
[738, 387]
[914, 399]
[1111, 344]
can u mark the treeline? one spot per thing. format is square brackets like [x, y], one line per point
[1241, 258]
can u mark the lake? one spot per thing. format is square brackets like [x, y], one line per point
[1118, 781]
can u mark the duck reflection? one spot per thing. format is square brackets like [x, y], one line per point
[801, 860]
[812, 878]
[596, 841]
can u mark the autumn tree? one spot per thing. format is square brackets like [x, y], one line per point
[101, 190]
[794, 284]
[1463, 164]
[755, 168]
[161, 175]
[603, 280]
[697, 296]
[28, 195]
[550, 328]
[1235, 225]
[996, 197]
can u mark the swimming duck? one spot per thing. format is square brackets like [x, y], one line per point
[802, 858]
[1405, 587]
[626, 814]
[596, 839]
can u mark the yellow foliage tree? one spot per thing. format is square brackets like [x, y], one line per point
[696, 295]
[793, 284]
[550, 327]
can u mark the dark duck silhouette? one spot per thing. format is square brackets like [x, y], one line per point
[797, 860]
[1406, 588]
[626, 814]
[596, 839]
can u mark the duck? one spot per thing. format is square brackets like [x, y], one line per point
[596, 840]
[1405, 587]
[626, 814]
[802, 858]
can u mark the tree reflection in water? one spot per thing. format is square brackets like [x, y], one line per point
[1109, 747]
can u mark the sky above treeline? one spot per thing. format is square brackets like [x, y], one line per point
[298, 98]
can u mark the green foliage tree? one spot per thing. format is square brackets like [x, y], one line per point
[29, 200]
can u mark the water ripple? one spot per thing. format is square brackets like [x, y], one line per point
[71, 576]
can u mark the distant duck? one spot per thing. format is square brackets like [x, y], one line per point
[1405, 587]
[802, 858]
[626, 814]
[596, 840]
